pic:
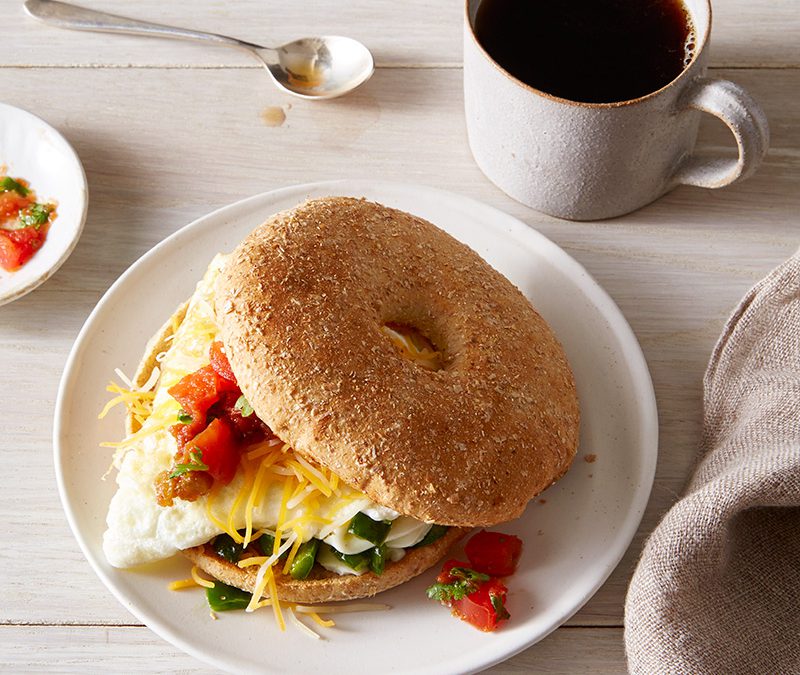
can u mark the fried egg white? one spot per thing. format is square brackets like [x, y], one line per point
[140, 531]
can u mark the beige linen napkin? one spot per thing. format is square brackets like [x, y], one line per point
[717, 589]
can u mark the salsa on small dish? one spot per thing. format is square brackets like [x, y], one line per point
[24, 222]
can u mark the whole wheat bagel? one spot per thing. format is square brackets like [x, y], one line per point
[301, 303]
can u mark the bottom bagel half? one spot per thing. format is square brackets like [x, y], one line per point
[322, 585]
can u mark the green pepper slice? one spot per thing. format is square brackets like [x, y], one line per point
[373, 531]
[266, 543]
[377, 559]
[355, 561]
[434, 534]
[304, 559]
[223, 598]
[225, 547]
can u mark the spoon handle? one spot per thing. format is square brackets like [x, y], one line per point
[64, 15]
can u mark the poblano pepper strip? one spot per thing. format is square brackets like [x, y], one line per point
[377, 559]
[266, 542]
[373, 531]
[434, 534]
[355, 561]
[223, 598]
[225, 547]
[304, 559]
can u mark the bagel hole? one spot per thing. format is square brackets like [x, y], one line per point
[413, 345]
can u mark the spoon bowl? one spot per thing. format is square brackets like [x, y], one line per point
[311, 68]
[319, 67]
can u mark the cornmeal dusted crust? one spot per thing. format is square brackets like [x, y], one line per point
[301, 303]
[322, 585]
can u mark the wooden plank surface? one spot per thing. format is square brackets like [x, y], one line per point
[163, 143]
[415, 32]
[81, 649]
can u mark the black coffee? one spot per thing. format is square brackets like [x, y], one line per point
[595, 51]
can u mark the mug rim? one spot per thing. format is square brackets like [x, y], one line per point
[701, 44]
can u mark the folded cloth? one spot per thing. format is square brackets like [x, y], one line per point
[717, 589]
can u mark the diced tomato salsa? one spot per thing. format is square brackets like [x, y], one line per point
[214, 425]
[24, 222]
[472, 589]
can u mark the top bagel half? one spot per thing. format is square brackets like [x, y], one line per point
[301, 304]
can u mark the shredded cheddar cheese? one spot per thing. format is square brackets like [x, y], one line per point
[325, 623]
[182, 584]
[200, 581]
[308, 631]
[414, 347]
[292, 553]
[276, 605]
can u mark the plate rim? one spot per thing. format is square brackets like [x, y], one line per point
[641, 382]
[17, 293]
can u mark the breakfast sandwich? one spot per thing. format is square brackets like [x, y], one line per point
[339, 401]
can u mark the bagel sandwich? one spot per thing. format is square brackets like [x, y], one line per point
[380, 388]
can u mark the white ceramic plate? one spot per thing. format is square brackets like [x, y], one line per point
[31, 149]
[572, 542]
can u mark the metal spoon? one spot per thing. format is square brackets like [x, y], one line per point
[312, 67]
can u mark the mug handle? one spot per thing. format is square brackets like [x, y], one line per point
[746, 120]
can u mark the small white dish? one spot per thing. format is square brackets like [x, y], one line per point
[32, 149]
[572, 541]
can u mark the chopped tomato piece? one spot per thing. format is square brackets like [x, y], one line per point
[248, 429]
[219, 450]
[472, 590]
[11, 203]
[485, 608]
[494, 553]
[18, 246]
[198, 391]
[219, 361]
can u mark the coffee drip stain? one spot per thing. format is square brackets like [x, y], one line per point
[273, 116]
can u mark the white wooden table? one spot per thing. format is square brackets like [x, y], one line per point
[169, 131]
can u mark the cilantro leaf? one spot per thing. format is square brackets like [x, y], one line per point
[467, 574]
[456, 590]
[243, 406]
[499, 608]
[35, 215]
[8, 184]
[196, 464]
[465, 581]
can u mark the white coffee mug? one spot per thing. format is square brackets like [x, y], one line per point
[586, 161]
